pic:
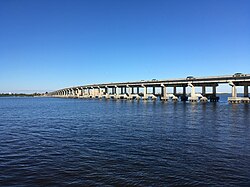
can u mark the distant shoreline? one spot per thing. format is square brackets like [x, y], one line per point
[21, 95]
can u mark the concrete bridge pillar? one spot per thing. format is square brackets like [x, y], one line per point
[87, 91]
[214, 90]
[82, 91]
[203, 90]
[184, 94]
[192, 89]
[163, 92]
[106, 90]
[116, 90]
[145, 93]
[234, 89]
[113, 91]
[132, 90]
[193, 97]
[234, 98]
[154, 90]
[107, 96]
[92, 92]
[245, 99]
[174, 90]
[213, 97]
[75, 92]
[138, 90]
[245, 91]
[99, 94]
[129, 91]
[184, 91]
[72, 92]
[78, 92]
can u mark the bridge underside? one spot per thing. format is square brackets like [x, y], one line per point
[145, 90]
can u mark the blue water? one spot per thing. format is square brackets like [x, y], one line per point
[60, 142]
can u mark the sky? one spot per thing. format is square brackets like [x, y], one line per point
[51, 44]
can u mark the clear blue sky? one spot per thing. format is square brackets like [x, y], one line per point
[51, 44]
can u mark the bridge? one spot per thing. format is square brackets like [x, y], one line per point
[147, 89]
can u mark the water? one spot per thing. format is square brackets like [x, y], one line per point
[60, 142]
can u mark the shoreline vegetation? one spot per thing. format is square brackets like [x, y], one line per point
[21, 94]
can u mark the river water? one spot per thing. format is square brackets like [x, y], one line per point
[61, 142]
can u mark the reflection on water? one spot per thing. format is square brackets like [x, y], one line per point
[48, 141]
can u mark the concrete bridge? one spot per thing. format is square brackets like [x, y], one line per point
[147, 89]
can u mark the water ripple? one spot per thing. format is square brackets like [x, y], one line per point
[61, 142]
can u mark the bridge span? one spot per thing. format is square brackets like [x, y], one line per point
[147, 89]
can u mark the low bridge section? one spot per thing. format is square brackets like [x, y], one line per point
[147, 89]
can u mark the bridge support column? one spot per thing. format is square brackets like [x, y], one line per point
[132, 89]
[153, 97]
[138, 97]
[174, 90]
[145, 93]
[107, 96]
[193, 97]
[174, 98]
[214, 91]
[87, 92]
[99, 92]
[77, 92]
[138, 90]
[116, 92]
[203, 90]
[234, 91]
[213, 97]
[234, 98]
[184, 94]
[72, 92]
[82, 91]
[246, 91]
[129, 93]
[245, 99]
[163, 93]
[153, 88]
[203, 94]
[92, 92]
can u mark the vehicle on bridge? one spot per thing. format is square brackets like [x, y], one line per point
[190, 77]
[239, 75]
